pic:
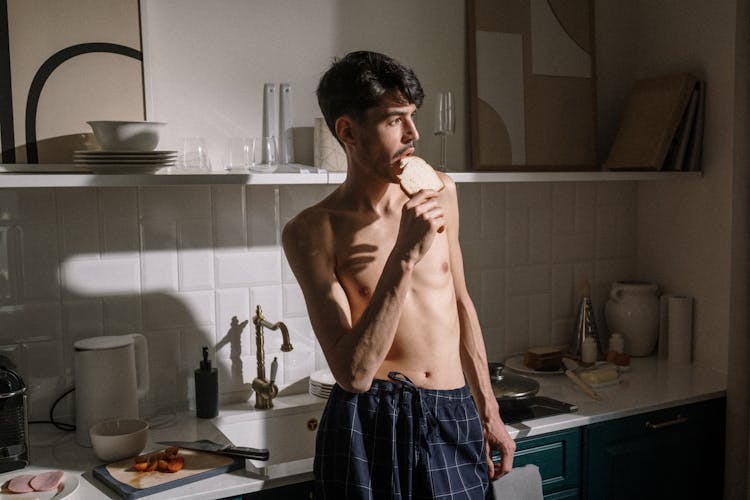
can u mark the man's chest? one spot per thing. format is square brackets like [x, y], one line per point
[361, 257]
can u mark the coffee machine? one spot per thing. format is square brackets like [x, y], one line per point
[14, 427]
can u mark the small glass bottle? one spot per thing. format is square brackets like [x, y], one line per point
[617, 343]
[589, 351]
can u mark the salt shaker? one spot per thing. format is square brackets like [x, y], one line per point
[589, 351]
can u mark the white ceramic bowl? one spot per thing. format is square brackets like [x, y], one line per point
[127, 136]
[120, 438]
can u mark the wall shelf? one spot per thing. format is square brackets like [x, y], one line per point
[60, 175]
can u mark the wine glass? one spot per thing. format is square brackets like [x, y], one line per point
[445, 123]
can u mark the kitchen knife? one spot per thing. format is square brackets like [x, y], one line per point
[228, 450]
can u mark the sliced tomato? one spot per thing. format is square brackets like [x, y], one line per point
[176, 463]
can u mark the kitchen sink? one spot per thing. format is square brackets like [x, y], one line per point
[288, 430]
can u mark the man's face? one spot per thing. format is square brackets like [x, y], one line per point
[388, 134]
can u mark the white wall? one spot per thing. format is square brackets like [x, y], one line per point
[205, 63]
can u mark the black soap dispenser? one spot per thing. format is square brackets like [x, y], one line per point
[206, 389]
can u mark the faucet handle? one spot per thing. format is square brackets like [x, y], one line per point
[274, 369]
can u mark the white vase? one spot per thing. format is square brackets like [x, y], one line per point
[633, 311]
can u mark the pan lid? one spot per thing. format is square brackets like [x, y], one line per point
[11, 383]
[510, 385]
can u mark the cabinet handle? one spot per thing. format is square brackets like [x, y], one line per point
[669, 423]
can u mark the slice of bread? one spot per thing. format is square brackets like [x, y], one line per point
[417, 174]
[543, 358]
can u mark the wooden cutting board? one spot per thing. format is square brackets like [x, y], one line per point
[129, 483]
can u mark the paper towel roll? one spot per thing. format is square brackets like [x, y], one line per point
[680, 327]
[327, 151]
[663, 349]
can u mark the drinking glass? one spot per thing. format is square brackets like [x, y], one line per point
[194, 154]
[445, 123]
[269, 155]
[240, 153]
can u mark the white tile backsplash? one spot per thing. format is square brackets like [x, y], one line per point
[195, 264]
[93, 277]
[118, 203]
[40, 262]
[78, 204]
[122, 314]
[175, 202]
[255, 267]
[262, 216]
[229, 223]
[294, 301]
[34, 206]
[270, 300]
[177, 263]
[159, 256]
[83, 317]
[80, 239]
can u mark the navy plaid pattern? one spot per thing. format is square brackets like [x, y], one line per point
[397, 441]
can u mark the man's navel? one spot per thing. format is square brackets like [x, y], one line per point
[445, 267]
[364, 291]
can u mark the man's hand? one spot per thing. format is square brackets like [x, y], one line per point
[421, 218]
[497, 438]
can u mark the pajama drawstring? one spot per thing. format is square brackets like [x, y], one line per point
[420, 428]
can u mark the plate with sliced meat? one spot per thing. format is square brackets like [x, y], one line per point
[47, 485]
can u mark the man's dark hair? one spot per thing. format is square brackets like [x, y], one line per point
[357, 82]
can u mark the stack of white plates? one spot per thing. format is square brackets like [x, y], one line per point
[125, 161]
[321, 383]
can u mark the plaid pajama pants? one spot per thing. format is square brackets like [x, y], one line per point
[397, 441]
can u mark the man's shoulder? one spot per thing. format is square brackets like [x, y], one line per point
[315, 216]
[448, 181]
[310, 227]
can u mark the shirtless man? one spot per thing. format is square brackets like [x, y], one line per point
[382, 276]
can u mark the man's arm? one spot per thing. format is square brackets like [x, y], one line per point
[356, 351]
[473, 354]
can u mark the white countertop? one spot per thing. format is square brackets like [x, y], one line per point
[650, 385]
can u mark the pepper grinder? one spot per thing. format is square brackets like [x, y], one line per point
[206, 388]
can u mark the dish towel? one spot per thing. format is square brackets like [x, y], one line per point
[521, 483]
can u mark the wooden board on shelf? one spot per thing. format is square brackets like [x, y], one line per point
[653, 112]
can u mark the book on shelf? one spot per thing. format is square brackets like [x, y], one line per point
[684, 141]
[654, 111]
[695, 146]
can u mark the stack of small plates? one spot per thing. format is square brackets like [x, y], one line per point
[321, 383]
[125, 161]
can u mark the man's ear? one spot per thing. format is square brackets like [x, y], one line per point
[345, 130]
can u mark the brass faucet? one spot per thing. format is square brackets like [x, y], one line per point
[266, 390]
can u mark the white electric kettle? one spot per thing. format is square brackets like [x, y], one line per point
[111, 374]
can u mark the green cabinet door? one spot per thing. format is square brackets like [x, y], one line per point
[672, 453]
[558, 456]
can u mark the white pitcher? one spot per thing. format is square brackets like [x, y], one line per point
[111, 374]
[633, 311]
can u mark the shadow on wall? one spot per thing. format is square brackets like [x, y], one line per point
[242, 390]
[69, 269]
[59, 149]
